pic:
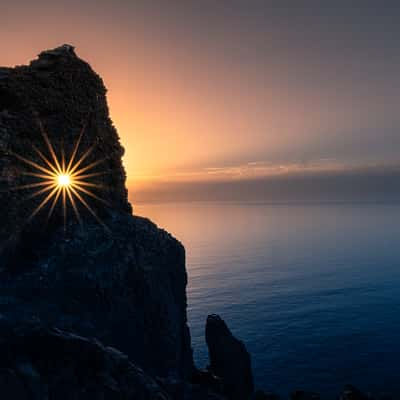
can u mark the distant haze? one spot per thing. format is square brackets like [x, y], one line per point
[372, 185]
[240, 99]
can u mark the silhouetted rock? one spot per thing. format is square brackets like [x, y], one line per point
[64, 94]
[123, 284]
[229, 359]
[38, 363]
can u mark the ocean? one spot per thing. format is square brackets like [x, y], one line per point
[313, 290]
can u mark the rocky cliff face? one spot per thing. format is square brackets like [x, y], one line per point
[122, 280]
[63, 94]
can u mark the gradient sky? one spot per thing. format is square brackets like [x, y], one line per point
[225, 90]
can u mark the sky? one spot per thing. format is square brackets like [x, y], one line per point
[209, 94]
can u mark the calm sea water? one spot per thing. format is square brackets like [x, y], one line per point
[312, 290]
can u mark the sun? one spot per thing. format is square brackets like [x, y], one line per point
[61, 180]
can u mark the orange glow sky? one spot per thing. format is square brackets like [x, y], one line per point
[226, 90]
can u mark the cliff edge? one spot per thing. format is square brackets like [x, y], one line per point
[107, 274]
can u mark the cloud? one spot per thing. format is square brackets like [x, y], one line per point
[289, 183]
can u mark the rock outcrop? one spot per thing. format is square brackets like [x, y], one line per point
[229, 360]
[122, 281]
[61, 93]
[38, 363]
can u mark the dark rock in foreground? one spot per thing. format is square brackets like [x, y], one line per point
[229, 359]
[38, 363]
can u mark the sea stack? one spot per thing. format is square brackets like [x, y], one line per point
[229, 359]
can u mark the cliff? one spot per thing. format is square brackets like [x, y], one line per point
[114, 276]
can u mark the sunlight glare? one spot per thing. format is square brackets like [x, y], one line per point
[63, 180]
